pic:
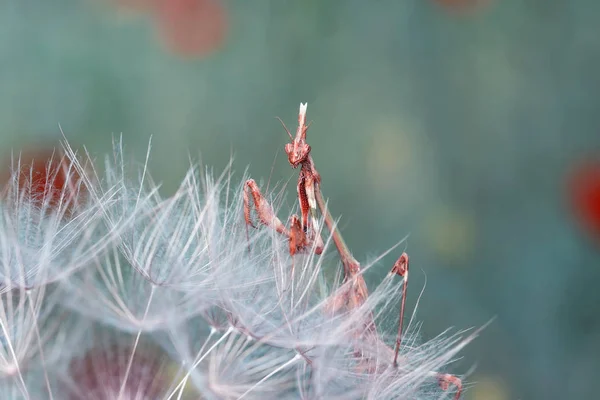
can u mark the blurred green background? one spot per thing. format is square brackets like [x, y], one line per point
[456, 126]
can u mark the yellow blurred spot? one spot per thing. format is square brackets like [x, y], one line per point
[488, 389]
[388, 156]
[189, 391]
[451, 234]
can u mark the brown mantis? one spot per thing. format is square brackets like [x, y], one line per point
[304, 235]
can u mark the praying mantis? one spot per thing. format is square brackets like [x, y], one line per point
[304, 236]
[303, 233]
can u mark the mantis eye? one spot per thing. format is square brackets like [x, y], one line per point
[288, 148]
[307, 149]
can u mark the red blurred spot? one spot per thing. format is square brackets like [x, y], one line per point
[584, 192]
[106, 372]
[44, 175]
[191, 28]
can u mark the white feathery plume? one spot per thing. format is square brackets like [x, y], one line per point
[114, 293]
[35, 334]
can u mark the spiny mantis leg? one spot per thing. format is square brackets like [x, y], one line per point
[304, 201]
[401, 268]
[265, 212]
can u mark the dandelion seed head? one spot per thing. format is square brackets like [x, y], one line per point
[34, 331]
[107, 298]
[115, 293]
